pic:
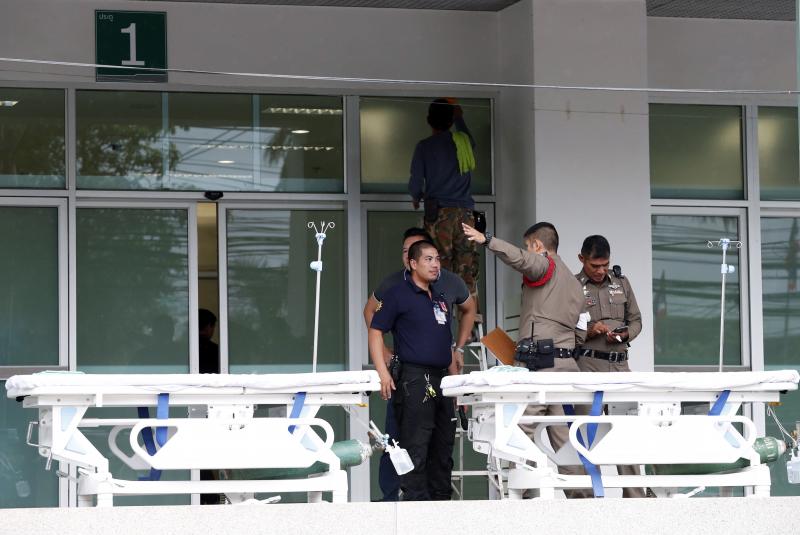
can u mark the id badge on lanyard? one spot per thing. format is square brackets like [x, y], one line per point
[440, 312]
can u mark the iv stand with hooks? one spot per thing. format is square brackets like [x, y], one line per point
[725, 244]
[319, 234]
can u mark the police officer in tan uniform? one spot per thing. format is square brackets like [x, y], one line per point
[552, 303]
[614, 321]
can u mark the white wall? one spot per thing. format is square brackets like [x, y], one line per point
[591, 147]
[721, 54]
[598, 517]
[352, 42]
[514, 123]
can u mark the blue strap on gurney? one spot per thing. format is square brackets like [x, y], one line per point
[162, 413]
[297, 408]
[591, 432]
[716, 409]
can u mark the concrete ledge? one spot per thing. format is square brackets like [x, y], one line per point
[610, 516]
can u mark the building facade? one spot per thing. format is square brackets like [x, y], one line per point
[113, 238]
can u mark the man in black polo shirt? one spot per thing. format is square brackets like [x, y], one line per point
[419, 318]
[456, 296]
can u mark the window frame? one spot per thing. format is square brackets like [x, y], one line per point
[165, 204]
[489, 307]
[744, 287]
[63, 288]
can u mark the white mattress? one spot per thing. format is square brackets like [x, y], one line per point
[489, 381]
[24, 385]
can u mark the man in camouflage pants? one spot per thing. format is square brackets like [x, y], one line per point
[457, 253]
[440, 177]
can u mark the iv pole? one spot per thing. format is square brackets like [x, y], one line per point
[725, 244]
[316, 265]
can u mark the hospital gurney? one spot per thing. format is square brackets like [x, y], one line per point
[652, 432]
[219, 432]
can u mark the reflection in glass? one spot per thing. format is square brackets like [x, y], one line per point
[384, 256]
[32, 147]
[204, 142]
[120, 140]
[696, 152]
[392, 127]
[780, 256]
[23, 480]
[271, 291]
[133, 290]
[213, 135]
[686, 290]
[778, 153]
[385, 246]
[301, 143]
[29, 292]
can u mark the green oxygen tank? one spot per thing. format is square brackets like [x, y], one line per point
[350, 453]
[768, 448]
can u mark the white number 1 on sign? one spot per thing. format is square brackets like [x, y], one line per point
[131, 31]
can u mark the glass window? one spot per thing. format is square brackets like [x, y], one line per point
[212, 135]
[384, 256]
[778, 153]
[120, 140]
[29, 308]
[686, 290]
[301, 144]
[32, 147]
[133, 290]
[271, 291]
[384, 253]
[205, 141]
[696, 152]
[391, 129]
[23, 480]
[780, 256]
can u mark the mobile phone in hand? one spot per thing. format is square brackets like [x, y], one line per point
[620, 329]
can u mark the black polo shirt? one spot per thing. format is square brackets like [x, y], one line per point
[420, 324]
[450, 284]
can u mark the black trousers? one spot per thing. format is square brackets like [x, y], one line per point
[427, 431]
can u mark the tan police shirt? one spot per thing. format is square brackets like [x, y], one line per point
[554, 307]
[612, 302]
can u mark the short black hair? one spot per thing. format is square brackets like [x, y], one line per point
[596, 246]
[546, 233]
[415, 251]
[206, 318]
[416, 231]
[440, 114]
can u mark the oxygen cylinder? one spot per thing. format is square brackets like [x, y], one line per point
[349, 452]
[769, 450]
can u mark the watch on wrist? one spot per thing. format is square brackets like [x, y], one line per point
[488, 236]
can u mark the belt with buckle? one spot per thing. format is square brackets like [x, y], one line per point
[563, 353]
[614, 356]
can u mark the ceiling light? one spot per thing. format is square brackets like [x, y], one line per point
[303, 111]
[300, 131]
[225, 162]
[8, 103]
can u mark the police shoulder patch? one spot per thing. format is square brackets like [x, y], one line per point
[378, 308]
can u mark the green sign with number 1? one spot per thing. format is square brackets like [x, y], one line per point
[131, 39]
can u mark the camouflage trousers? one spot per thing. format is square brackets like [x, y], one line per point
[458, 254]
